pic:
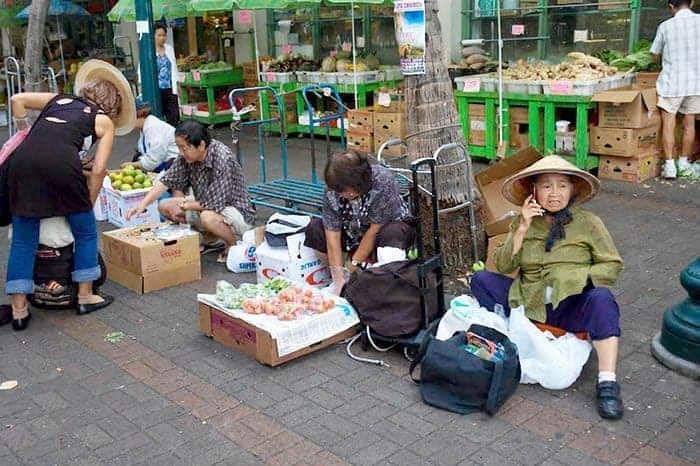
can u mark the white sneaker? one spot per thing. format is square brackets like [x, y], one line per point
[670, 170]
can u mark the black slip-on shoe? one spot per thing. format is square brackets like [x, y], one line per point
[83, 309]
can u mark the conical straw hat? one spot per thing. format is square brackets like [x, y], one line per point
[94, 70]
[519, 186]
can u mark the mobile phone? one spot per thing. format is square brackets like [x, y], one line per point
[534, 192]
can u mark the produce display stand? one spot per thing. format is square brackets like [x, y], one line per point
[363, 90]
[209, 81]
[547, 103]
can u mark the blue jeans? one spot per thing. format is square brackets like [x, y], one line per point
[25, 241]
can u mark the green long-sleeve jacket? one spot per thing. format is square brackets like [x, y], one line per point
[587, 252]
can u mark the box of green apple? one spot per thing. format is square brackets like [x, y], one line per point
[126, 189]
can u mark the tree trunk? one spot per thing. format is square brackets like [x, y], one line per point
[432, 120]
[35, 43]
[6, 43]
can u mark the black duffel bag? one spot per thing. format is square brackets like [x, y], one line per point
[454, 379]
[55, 265]
[387, 298]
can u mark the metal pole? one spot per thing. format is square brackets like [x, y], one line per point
[147, 53]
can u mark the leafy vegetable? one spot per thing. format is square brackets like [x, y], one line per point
[608, 56]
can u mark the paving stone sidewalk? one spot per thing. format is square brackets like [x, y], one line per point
[167, 395]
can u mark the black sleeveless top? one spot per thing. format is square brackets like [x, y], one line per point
[45, 172]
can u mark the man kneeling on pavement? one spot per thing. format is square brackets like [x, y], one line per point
[220, 207]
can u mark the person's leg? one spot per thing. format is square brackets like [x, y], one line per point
[20, 267]
[668, 134]
[595, 311]
[215, 224]
[399, 235]
[171, 209]
[85, 268]
[490, 288]
[688, 141]
[316, 236]
[171, 110]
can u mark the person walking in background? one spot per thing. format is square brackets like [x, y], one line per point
[677, 46]
[167, 76]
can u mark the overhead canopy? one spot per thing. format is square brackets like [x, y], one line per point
[202, 6]
[125, 10]
[58, 8]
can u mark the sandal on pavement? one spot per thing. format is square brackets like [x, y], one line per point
[82, 309]
[211, 247]
[609, 400]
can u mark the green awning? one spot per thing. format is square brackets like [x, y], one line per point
[202, 6]
[124, 10]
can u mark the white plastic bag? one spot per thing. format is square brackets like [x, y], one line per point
[554, 363]
[241, 258]
[463, 312]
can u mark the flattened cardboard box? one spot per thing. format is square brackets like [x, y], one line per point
[627, 107]
[149, 264]
[490, 180]
[255, 342]
[632, 169]
[623, 142]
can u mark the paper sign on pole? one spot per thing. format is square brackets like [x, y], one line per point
[409, 18]
[245, 17]
[517, 29]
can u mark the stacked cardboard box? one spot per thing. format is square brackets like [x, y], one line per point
[290, 109]
[497, 211]
[629, 126]
[360, 130]
[387, 126]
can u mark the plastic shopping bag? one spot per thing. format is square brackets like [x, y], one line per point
[465, 311]
[554, 363]
[241, 258]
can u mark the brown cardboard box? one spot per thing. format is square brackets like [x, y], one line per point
[623, 142]
[610, 5]
[389, 152]
[518, 115]
[490, 180]
[632, 169]
[360, 142]
[144, 263]
[361, 121]
[519, 135]
[477, 124]
[247, 338]
[391, 124]
[493, 243]
[627, 107]
[646, 79]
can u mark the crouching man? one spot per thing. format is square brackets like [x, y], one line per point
[220, 207]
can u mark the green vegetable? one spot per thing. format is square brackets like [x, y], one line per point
[277, 284]
[642, 45]
[608, 56]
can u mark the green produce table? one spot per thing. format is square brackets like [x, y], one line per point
[209, 81]
[547, 103]
[363, 90]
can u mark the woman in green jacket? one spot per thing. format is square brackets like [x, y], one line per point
[566, 263]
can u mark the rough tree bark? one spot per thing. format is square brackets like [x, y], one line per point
[35, 43]
[432, 120]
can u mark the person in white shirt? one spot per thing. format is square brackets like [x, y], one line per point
[677, 46]
[156, 148]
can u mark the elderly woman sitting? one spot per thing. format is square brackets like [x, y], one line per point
[566, 263]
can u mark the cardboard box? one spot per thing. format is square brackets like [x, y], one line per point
[389, 152]
[493, 243]
[646, 79]
[143, 263]
[245, 337]
[623, 142]
[361, 121]
[119, 203]
[296, 263]
[632, 169]
[518, 115]
[496, 207]
[627, 107]
[610, 5]
[477, 124]
[519, 135]
[360, 142]
[391, 124]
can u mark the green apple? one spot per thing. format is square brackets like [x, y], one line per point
[137, 185]
[147, 183]
[125, 187]
[116, 184]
